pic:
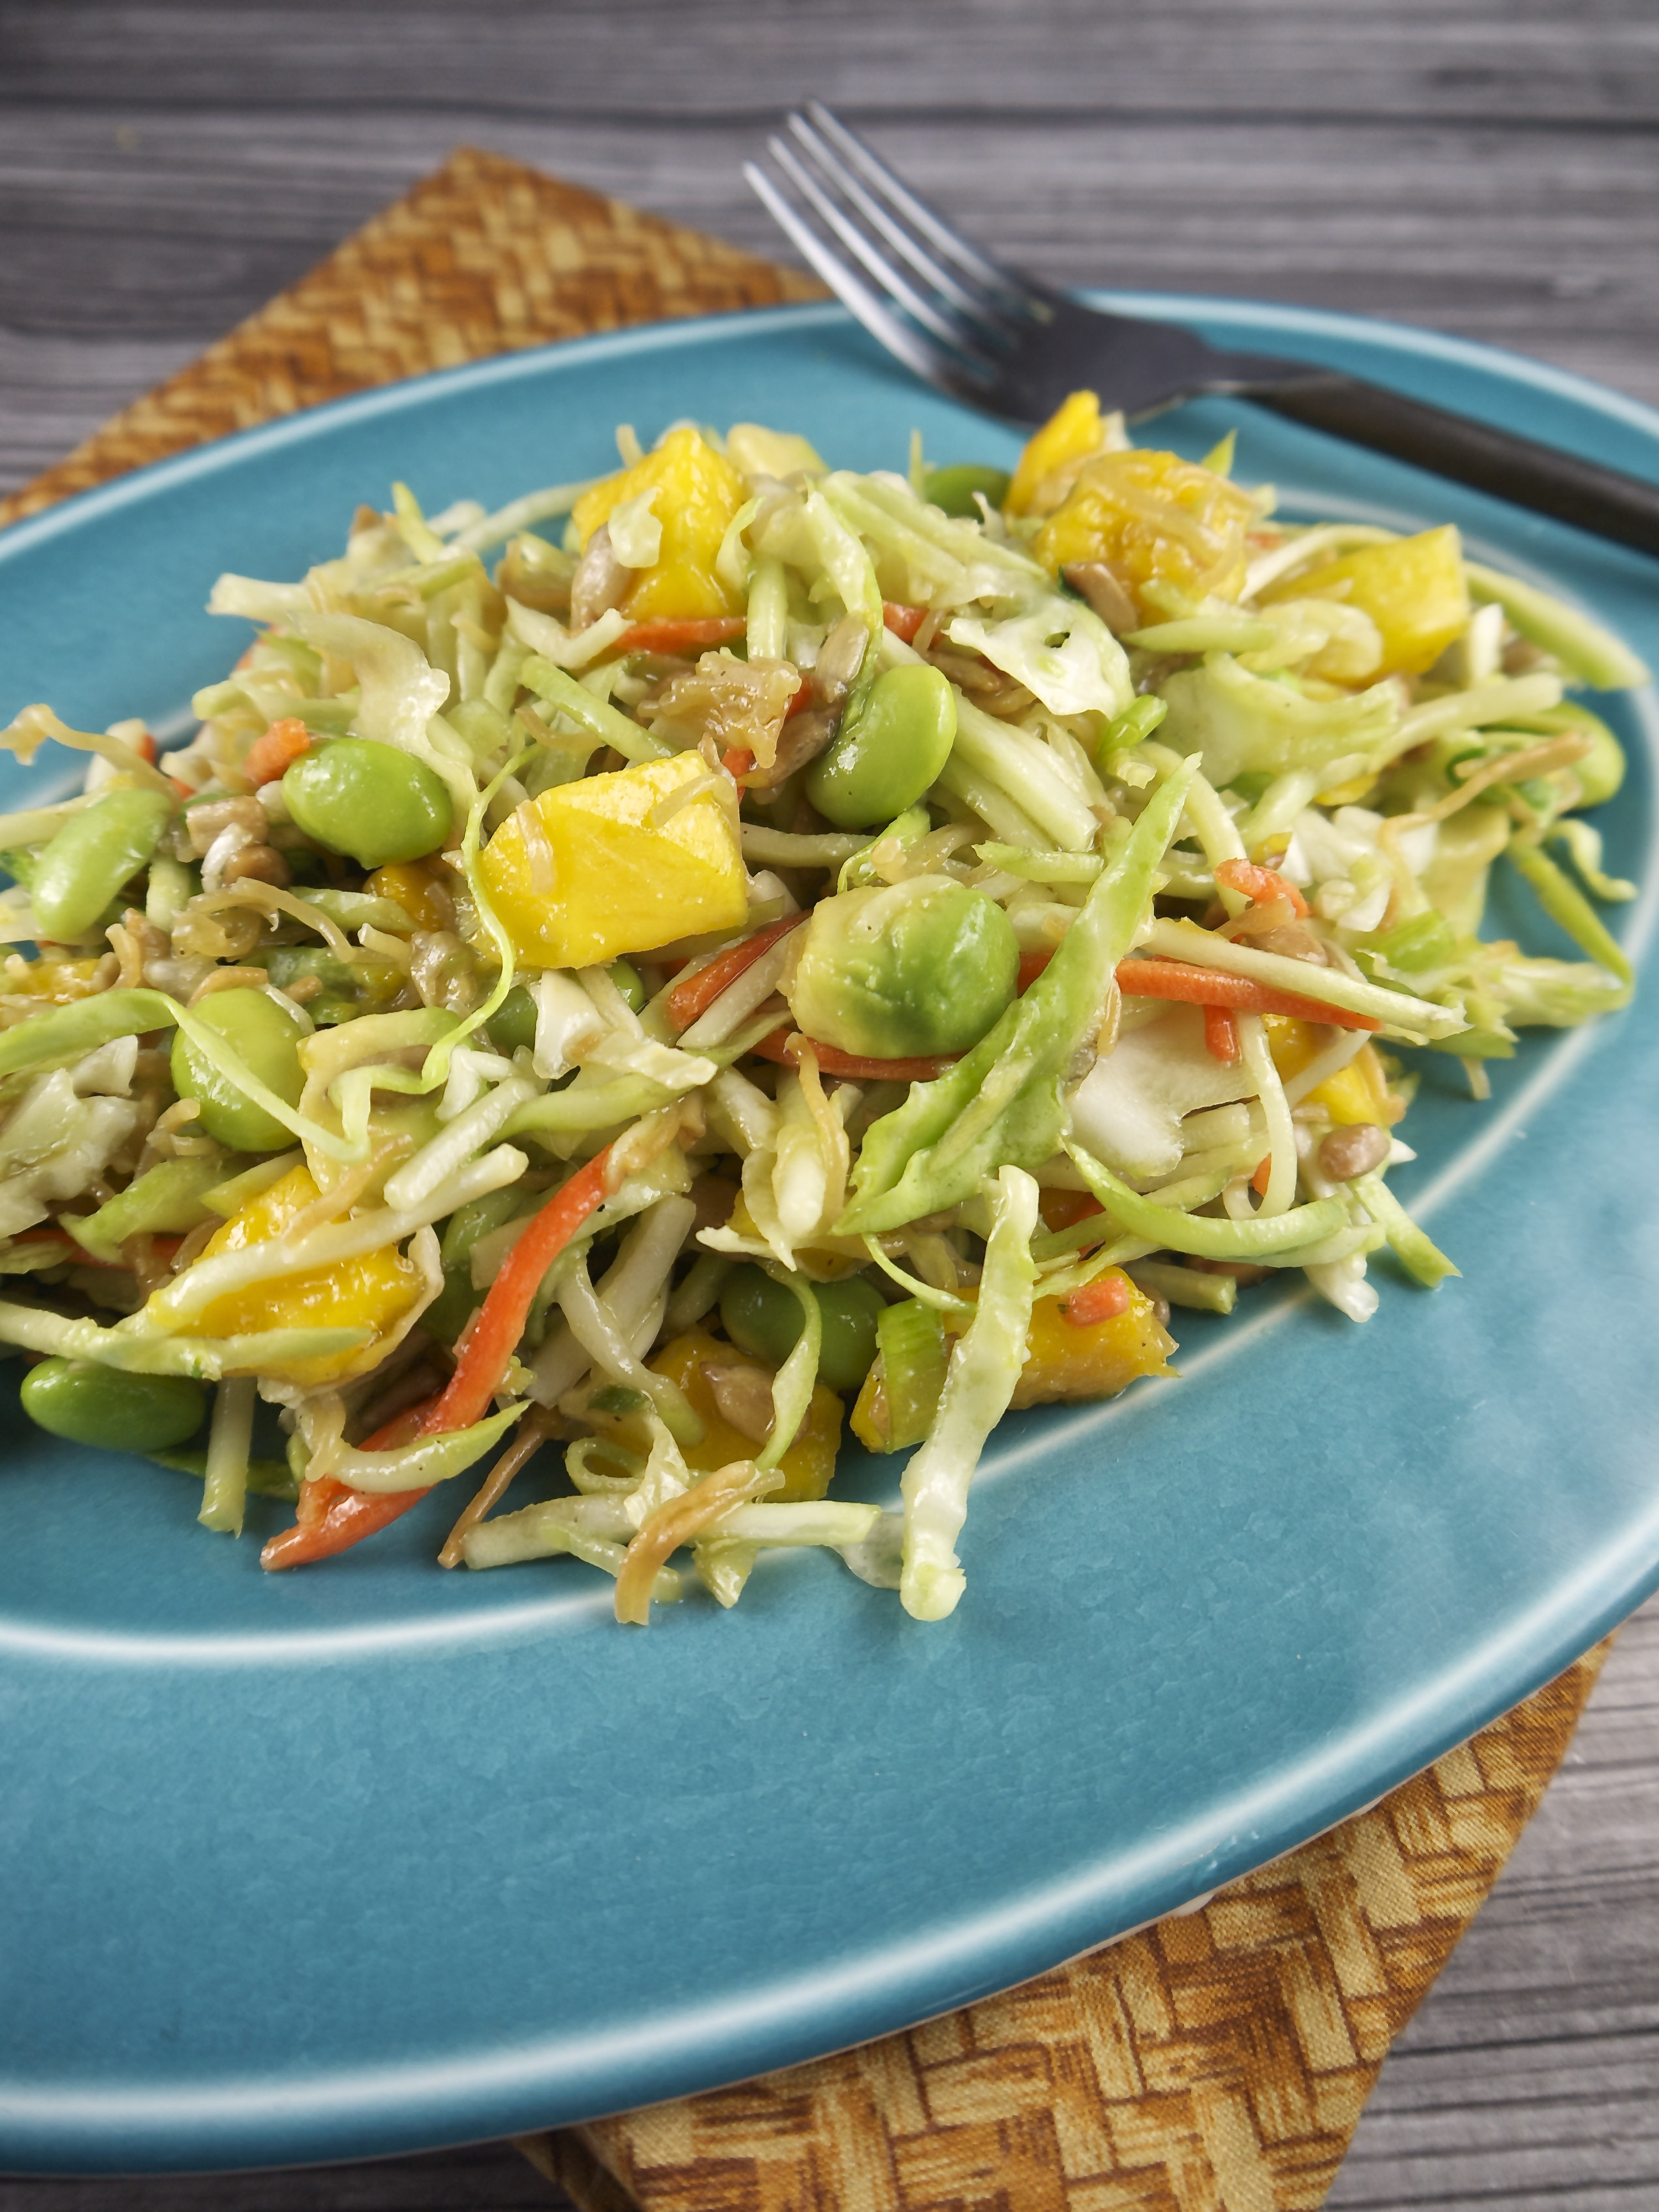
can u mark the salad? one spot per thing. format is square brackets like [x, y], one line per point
[697, 961]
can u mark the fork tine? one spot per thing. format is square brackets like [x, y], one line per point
[943, 324]
[975, 300]
[929, 362]
[917, 212]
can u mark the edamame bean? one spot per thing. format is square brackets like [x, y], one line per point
[885, 756]
[904, 970]
[512, 1025]
[764, 1320]
[370, 801]
[267, 1042]
[452, 1308]
[92, 855]
[952, 488]
[87, 1404]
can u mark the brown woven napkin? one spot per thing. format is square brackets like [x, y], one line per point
[1215, 2063]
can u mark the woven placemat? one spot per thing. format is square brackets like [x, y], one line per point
[1215, 2063]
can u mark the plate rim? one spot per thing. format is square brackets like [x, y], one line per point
[1410, 341]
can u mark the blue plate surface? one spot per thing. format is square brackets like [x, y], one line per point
[353, 1861]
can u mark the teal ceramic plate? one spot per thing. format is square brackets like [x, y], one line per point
[351, 1861]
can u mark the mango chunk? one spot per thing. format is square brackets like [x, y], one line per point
[1053, 455]
[1358, 1092]
[1413, 589]
[696, 492]
[1064, 1360]
[371, 1292]
[809, 1461]
[1171, 532]
[612, 870]
[1095, 1361]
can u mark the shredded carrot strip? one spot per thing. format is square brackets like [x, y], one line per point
[1031, 965]
[1103, 1299]
[1221, 1035]
[784, 1046]
[347, 1515]
[687, 1001]
[737, 760]
[344, 1520]
[280, 747]
[483, 1353]
[1209, 987]
[1259, 1180]
[904, 622]
[677, 634]
[1262, 886]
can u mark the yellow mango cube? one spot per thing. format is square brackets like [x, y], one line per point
[1053, 455]
[612, 868]
[1359, 1092]
[809, 1461]
[372, 1291]
[1160, 524]
[1095, 1360]
[407, 884]
[1412, 589]
[697, 492]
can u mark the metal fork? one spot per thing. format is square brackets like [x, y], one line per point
[1007, 342]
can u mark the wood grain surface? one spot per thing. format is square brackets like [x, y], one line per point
[1487, 166]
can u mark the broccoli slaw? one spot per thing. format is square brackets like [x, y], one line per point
[699, 959]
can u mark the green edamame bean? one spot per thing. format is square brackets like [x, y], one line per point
[92, 855]
[87, 1404]
[885, 756]
[952, 488]
[904, 970]
[764, 1320]
[369, 801]
[454, 1305]
[512, 1025]
[470, 1224]
[267, 1041]
[452, 1308]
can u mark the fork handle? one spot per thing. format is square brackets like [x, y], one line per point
[1543, 477]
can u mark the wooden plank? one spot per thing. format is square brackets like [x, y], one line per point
[622, 64]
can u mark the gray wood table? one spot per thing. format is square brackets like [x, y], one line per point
[1485, 167]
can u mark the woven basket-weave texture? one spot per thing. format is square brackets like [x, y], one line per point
[1215, 2063]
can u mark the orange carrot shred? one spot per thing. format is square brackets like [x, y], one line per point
[687, 1001]
[904, 622]
[267, 757]
[484, 1355]
[1213, 987]
[1262, 886]
[1031, 965]
[1259, 1180]
[1103, 1299]
[784, 1046]
[1221, 1035]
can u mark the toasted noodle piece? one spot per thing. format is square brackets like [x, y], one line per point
[677, 1521]
[537, 1426]
[735, 703]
